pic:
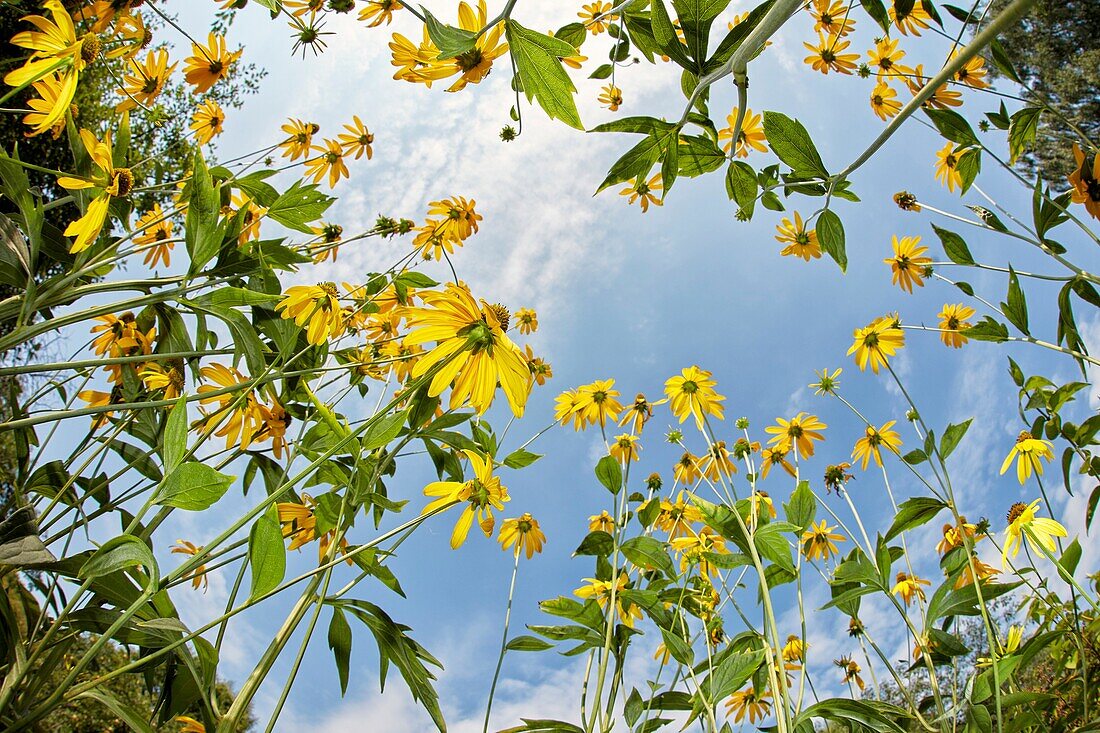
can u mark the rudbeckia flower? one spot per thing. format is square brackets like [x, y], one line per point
[800, 241]
[799, 432]
[832, 17]
[197, 576]
[953, 319]
[749, 703]
[142, 81]
[751, 135]
[110, 181]
[827, 55]
[819, 541]
[873, 440]
[908, 263]
[601, 591]
[522, 533]
[909, 587]
[692, 393]
[1086, 182]
[207, 64]
[1039, 531]
[481, 495]
[876, 342]
[377, 12]
[1028, 451]
[316, 305]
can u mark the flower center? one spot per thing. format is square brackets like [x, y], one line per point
[502, 315]
[689, 387]
[469, 60]
[1016, 511]
[89, 48]
[122, 182]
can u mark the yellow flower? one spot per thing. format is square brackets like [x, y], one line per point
[692, 546]
[972, 73]
[601, 590]
[299, 523]
[416, 64]
[851, 671]
[198, 575]
[110, 181]
[1086, 182]
[522, 532]
[748, 703]
[884, 57]
[644, 192]
[873, 440]
[611, 96]
[602, 522]
[686, 470]
[1028, 451]
[801, 243]
[624, 449]
[876, 342]
[638, 414]
[142, 81]
[953, 537]
[458, 216]
[207, 64]
[775, 457]
[156, 377]
[947, 172]
[527, 321]
[207, 122]
[751, 136]
[982, 570]
[301, 8]
[473, 349]
[274, 421]
[108, 11]
[826, 55]
[300, 138]
[540, 370]
[884, 101]
[692, 393]
[240, 419]
[908, 263]
[189, 724]
[952, 321]
[716, 462]
[379, 12]
[357, 139]
[1039, 531]
[328, 243]
[908, 587]
[819, 541]
[319, 306]
[475, 64]
[677, 517]
[799, 432]
[594, 16]
[794, 650]
[154, 236]
[330, 162]
[912, 22]
[481, 495]
[832, 17]
[95, 398]
[121, 336]
[594, 404]
[942, 98]
[49, 90]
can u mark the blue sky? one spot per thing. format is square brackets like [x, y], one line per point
[626, 296]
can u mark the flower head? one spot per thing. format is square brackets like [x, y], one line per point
[908, 263]
[1039, 531]
[875, 342]
[749, 703]
[522, 532]
[208, 64]
[799, 432]
[820, 541]
[909, 587]
[692, 393]
[953, 320]
[1028, 451]
[197, 576]
[873, 440]
[480, 495]
[800, 241]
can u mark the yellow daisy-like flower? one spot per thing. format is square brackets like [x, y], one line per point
[916, 20]
[884, 58]
[121, 336]
[884, 101]
[1039, 531]
[826, 383]
[908, 263]
[207, 122]
[909, 587]
[953, 319]
[794, 650]
[481, 495]
[300, 138]
[316, 305]
[775, 457]
[832, 17]
[749, 703]
[602, 522]
[417, 64]
[873, 440]
[596, 403]
[981, 569]
[540, 370]
[299, 523]
[601, 591]
[358, 139]
[154, 237]
[799, 432]
[156, 377]
[692, 393]
[751, 135]
[244, 419]
[972, 73]
[522, 532]
[819, 541]
[189, 725]
[693, 546]
[686, 470]
[851, 670]
[828, 55]
[947, 171]
[876, 342]
[638, 414]
[1028, 452]
[459, 219]
[110, 181]
[800, 242]
[197, 576]
[1085, 182]
[250, 221]
[645, 192]
[475, 64]
[142, 81]
[954, 536]
[625, 448]
[49, 90]
[942, 98]
[377, 12]
[473, 350]
[208, 64]
[611, 96]
[594, 17]
[716, 462]
[527, 321]
[677, 517]
[330, 162]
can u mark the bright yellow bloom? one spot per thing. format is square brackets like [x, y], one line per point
[947, 172]
[527, 321]
[884, 101]
[197, 576]
[826, 383]
[625, 448]
[319, 306]
[207, 64]
[952, 321]
[692, 393]
[132, 35]
[972, 73]
[301, 8]
[299, 523]
[716, 462]
[908, 263]
[601, 590]
[358, 139]
[644, 192]
[300, 138]
[522, 532]
[693, 546]
[1085, 181]
[872, 442]
[749, 703]
[475, 64]
[794, 650]
[602, 522]
[207, 122]
[109, 11]
[638, 414]
[819, 541]
[416, 64]
[677, 517]
[189, 725]
[908, 587]
[876, 342]
[459, 217]
[686, 470]
[121, 336]
[110, 181]
[1028, 451]
[330, 162]
[250, 221]
[378, 12]
[800, 242]
[540, 370]
[827, 55]
[481, 495]
[239, 419]
[142, 81]
[1039, 531]
[156, 377]
[49, 89]
[953, 536]
[328, 244]
[751, 135]
[611, 96]
[594, 16]
[775, 457]
[473, 349]
[884, 58]
[799, 432]
[981, 569]
[594, 404]
[912, 22]
[942, 98]
[832, 17]
[852, 671]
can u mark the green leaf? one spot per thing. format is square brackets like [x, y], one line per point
[339, 641]
[771, 544]
[1015, 310]
[679, 649]
[649, 553]
[134, 720]
[175, 434]
[572, 33]
[862, 715]
[987, 330]
[665, 34]
[1022, 129]
[300, 206]
[450, 40]
[201, 226]
[969, 165]
[954, 246]
[521, 458]
[637, 161]
[597, 543]
[802, 507]
[537, 57]
[913, 513]
[383, 431]
[877, 11]
[952, 126]
[639, 124]
[610, 474]
[830, 232]
[266, 553]
[741, 186]
[603, 71]
[527, 643]
[951, 437]
[193, 486]
[915, 457]
[698, 155]
[245, 340]
[1070, 557]
[119, 553]
[790, 141]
